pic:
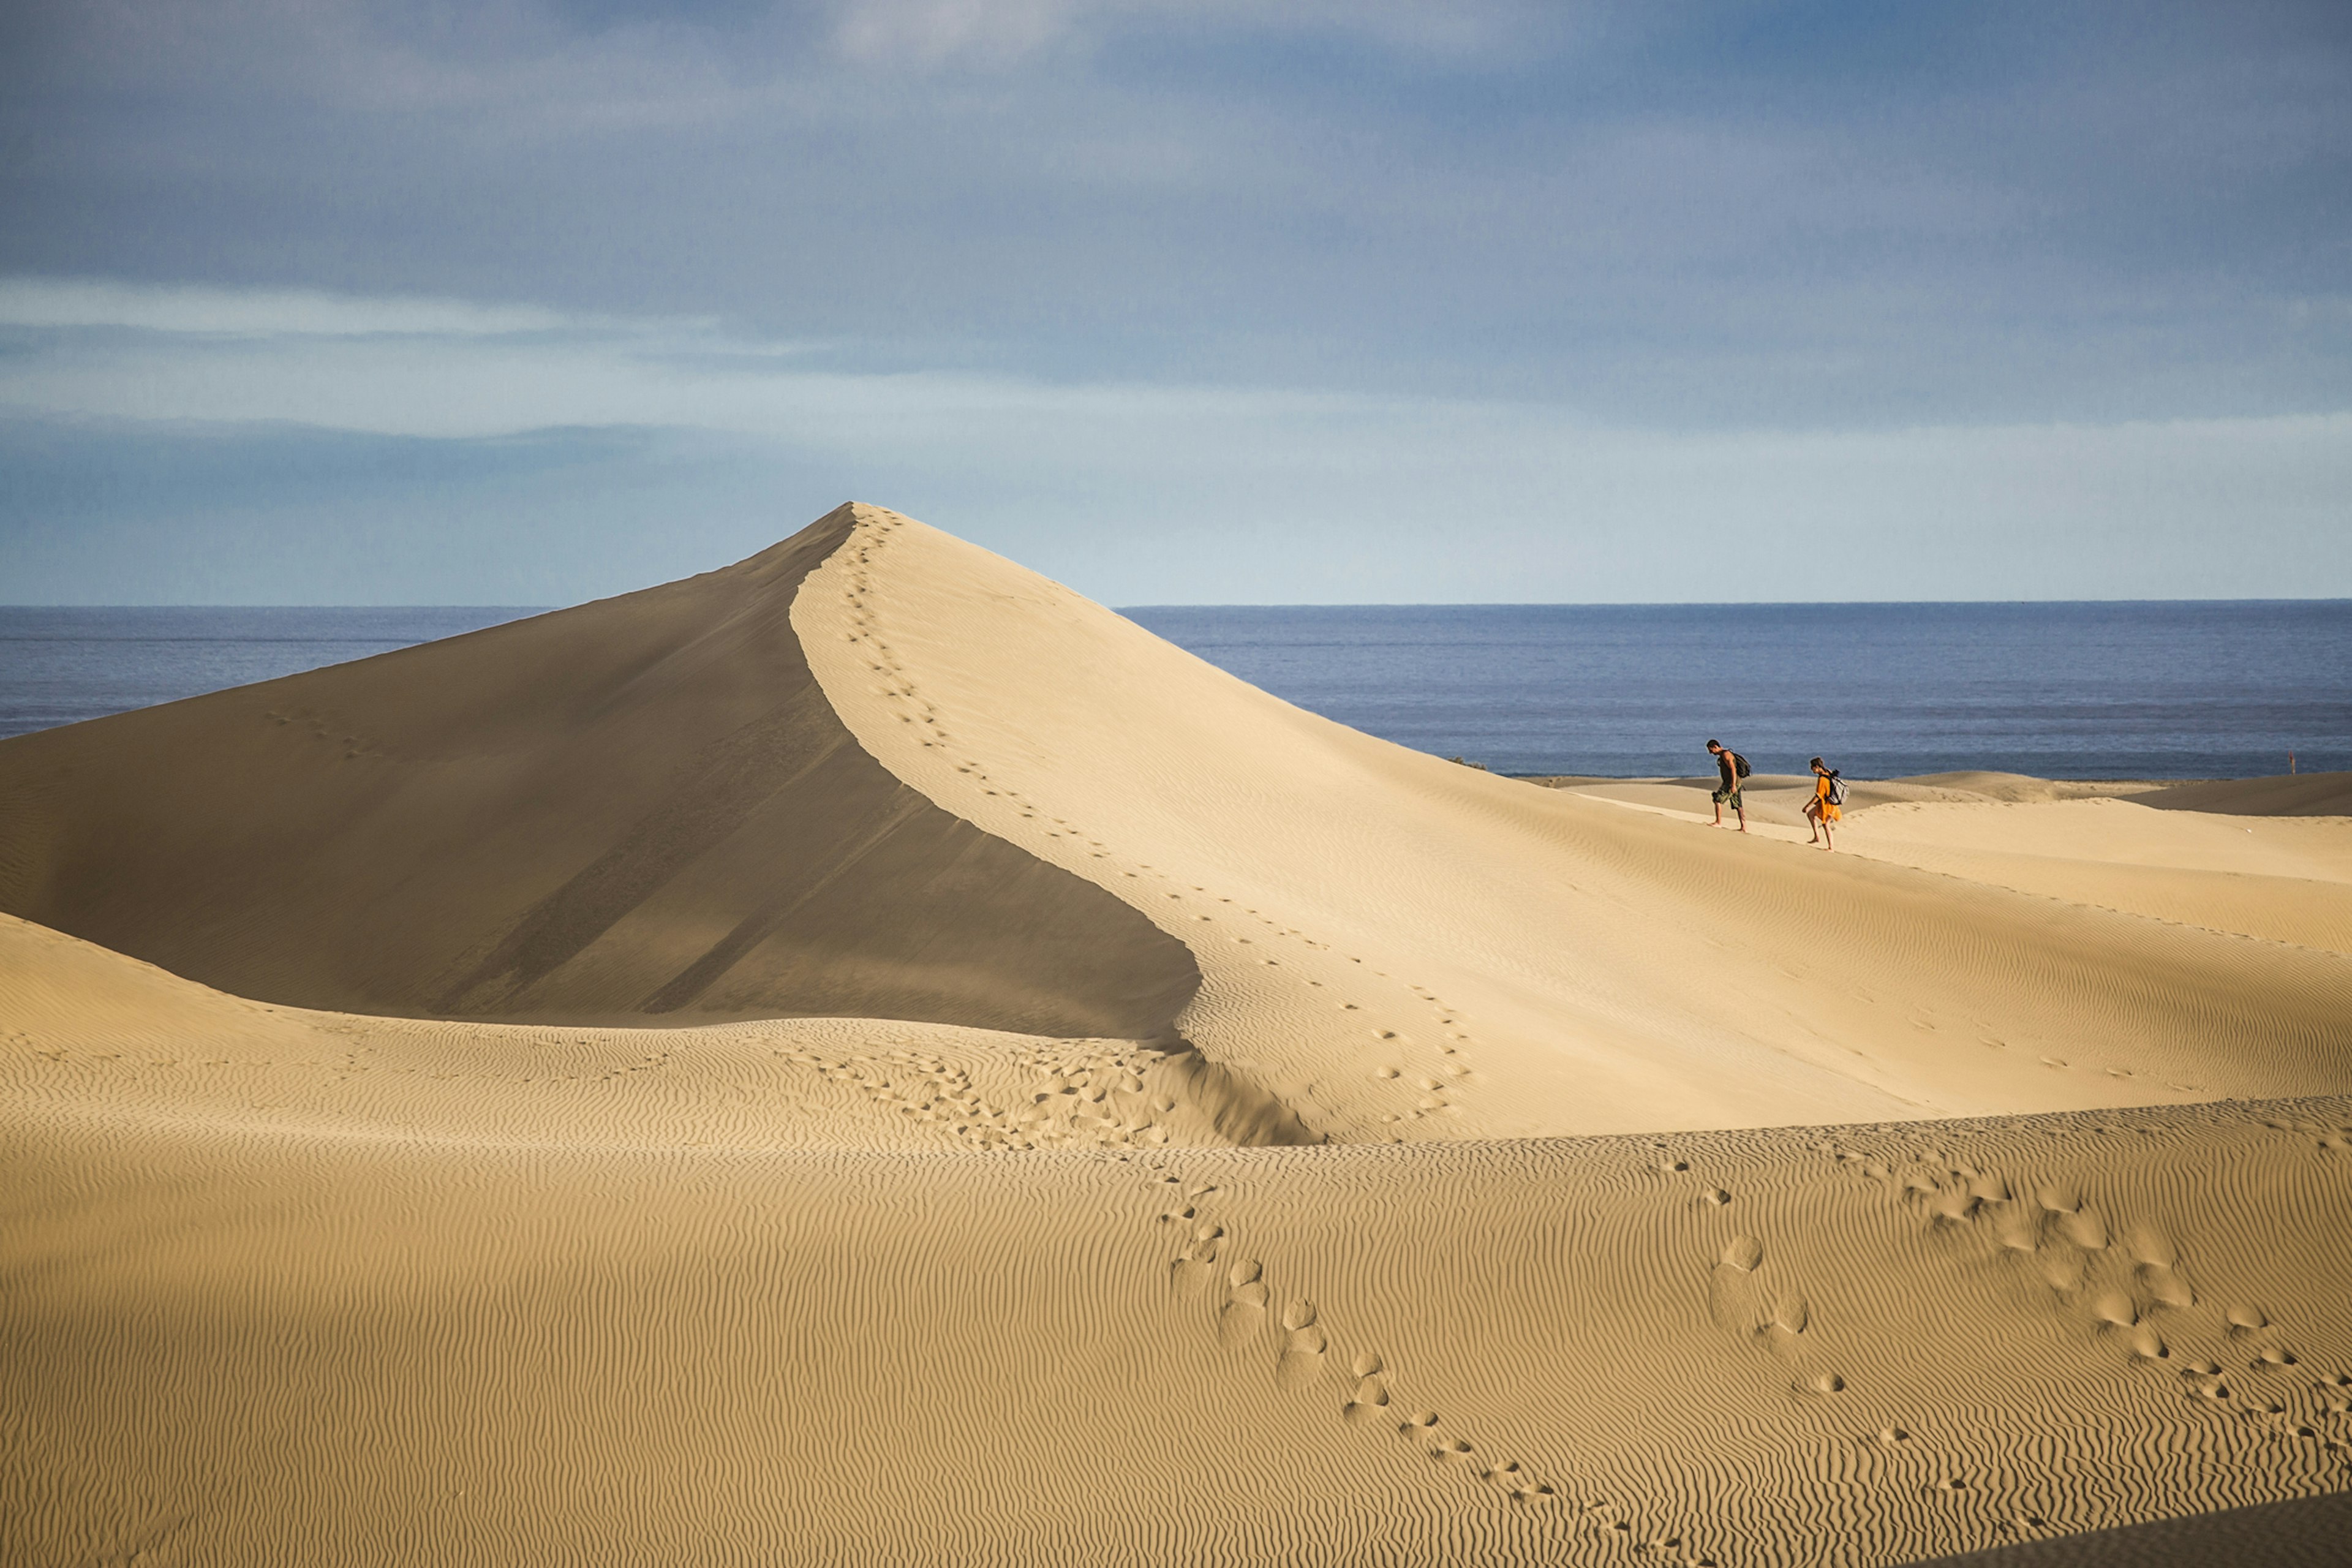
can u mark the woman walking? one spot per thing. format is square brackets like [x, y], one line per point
[1829, 794]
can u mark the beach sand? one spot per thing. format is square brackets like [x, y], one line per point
[868, 1057]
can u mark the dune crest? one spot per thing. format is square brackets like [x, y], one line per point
[1403, 949]
[290, 1286]
[638, 810]
[908, 986]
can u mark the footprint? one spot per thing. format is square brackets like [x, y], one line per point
[1790, 1315]
[2206, 1384]
[1243, 1316]
[2018, 1227]
[1369, 1403]
[1736, 1299]
[2086, 1230]
[1302, 1358]
[2058, 1197]
[2150, 1247]
[1517, 1481]
[1196, 1266]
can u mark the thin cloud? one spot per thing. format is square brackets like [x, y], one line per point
[1331, 264]
[1133, 491]
[59, 302]
[929, 33]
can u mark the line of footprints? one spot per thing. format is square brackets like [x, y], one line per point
[1428, 1090]
[2130, 1281]
[1205, 1267]
[1744, 1304]
[1076, 1098]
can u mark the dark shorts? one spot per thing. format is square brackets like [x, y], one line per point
[1729, 797]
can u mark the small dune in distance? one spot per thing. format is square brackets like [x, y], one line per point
[868, 1057]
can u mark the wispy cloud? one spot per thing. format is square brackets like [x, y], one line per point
[1756, 213]
[679, 443]
[194, 310]
[997, 33]
[1635, 299]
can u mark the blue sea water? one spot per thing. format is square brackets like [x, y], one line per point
[2164, 689]
[2153, 689]
[62, 665]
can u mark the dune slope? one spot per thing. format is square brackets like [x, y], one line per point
[639, 809]
[289, 1287]
[2306, 795]
[2282, 878]
[812, 1063]
[1401, 948]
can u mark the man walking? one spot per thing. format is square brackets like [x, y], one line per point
[1733, 767]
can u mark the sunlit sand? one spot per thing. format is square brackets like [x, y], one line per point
[868, 1056]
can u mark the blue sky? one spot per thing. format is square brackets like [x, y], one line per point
[1206, 302]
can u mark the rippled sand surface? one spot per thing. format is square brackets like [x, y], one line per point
[869, 1057]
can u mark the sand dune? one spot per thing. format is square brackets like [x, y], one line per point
[807, 1065]
[637, 809]
[1398, 947]
[2284, 879]
[290, 1286]
[2308, 794]
[2307, 1532]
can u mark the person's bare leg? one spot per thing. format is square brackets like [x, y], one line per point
[1813, 822]
[1829, 840]
[1742, 809]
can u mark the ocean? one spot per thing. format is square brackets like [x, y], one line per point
[2153, 689]
[60, 666]
[2158, 690]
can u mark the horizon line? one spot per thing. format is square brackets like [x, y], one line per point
[1232, 604]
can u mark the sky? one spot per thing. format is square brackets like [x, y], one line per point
[529, 301]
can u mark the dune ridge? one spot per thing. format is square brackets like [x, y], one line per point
[2281, 879]
[638, 809]
[2305, 794]
[316, 1298]
[1399, 947]
[1185, 1130]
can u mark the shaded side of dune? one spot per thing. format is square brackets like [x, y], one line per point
[639, 810]
[2284, 795]
[2306, 1533]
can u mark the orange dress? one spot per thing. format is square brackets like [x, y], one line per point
[1824, 807]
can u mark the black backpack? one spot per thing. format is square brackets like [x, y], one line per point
[1738, 766]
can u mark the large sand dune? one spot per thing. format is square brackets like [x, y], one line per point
[837, 1026]
[635, 809]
